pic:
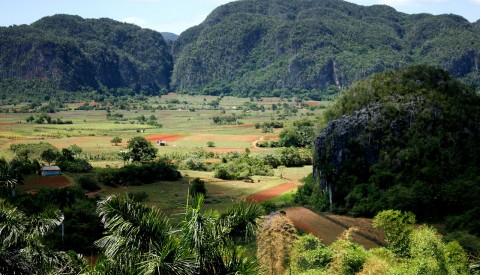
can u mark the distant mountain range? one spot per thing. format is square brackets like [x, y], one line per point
[245, 47]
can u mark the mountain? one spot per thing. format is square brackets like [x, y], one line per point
[406, 140]
[72, 53]
[252, 46]
[169, 36]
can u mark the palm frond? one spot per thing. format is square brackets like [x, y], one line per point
[12, 224]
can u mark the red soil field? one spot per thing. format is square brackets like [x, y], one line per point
[311, 103]
[213, 137]
[326, 230]
[271, 193]
[167, 138]
[34, 184]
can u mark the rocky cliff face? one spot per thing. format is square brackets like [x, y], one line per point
[401, 140]
[76, 53]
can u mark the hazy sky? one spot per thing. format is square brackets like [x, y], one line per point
[178, 15]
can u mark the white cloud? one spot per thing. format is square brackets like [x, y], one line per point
[477, 2]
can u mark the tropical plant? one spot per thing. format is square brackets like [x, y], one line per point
[9, 177]
[140, 239]
[22, 249]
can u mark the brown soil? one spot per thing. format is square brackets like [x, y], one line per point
[213, 137]
[364, 226]
[33, 184]
[167, 138]
[271, 193]
[328, 231]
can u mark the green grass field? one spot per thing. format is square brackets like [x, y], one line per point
[187, 126]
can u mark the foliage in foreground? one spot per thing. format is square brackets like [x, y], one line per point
[140, 239]
[22, 246]
[424, 252]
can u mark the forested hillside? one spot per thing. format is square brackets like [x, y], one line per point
[249, 47]
[71, 53]
[404, 140]
[256, 46]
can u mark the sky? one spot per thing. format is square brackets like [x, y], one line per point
[178, 15]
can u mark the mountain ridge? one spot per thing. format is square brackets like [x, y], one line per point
[267, 47]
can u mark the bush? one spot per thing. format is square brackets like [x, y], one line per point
[197, 186]
[138, 174]
[210, 144]
[88, 183]
[242, 168]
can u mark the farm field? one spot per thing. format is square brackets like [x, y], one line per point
[186, 127]
[184, 122]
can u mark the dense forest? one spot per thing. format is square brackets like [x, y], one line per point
[406, 140]
[69, 53]
[248, 47]
[308, 49]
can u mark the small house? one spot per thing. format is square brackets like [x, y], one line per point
[161, 143]
[50, 171]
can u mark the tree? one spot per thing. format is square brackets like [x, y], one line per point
[9, 177]
[210, 144]
[140, 239]
[22, 250]
[75, 149]
[49, 156]
[397, 226]
[141, 149]
[116, 140]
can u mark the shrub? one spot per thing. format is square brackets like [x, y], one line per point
[197, 186]
[210, 144]
[138, 174]
[88, 183]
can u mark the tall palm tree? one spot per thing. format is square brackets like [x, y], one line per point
[21, 247]
[141, 239]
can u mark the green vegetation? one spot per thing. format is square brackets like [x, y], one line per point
[141, 150]
[313, 49]
[406, 139]
[84, 55]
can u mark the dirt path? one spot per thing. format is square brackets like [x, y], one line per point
[262, 138]
[271, 193]
[328, 231]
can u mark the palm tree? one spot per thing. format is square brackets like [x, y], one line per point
[9, 177]
[141, 239]
[21, 248]
[211, 237]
